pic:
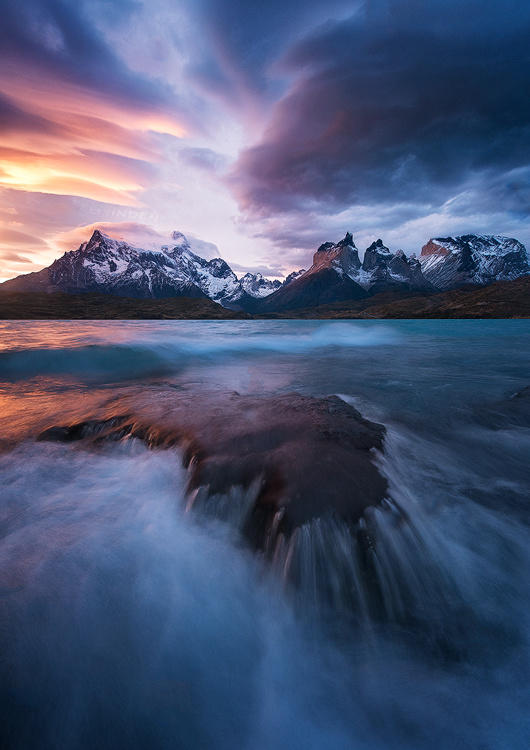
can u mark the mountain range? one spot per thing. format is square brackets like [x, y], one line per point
[114, 267]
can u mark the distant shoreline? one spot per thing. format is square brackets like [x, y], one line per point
[502, 299]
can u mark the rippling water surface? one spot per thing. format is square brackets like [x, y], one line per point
[127, 622]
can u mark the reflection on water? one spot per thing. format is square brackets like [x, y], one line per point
[127, 622]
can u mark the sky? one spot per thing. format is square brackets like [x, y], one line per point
[261, 129]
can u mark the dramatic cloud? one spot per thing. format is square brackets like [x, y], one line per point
[8, 255]
[59, 41]
[405, 102]
[73, 119]
[262, 128]
[247, 37]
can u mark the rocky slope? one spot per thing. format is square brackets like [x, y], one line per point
[329, 279]
[293, 276]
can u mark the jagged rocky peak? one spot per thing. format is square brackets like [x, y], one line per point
[347, 240]
[97, 240]
[449, 262]
[479, 244]
[376, 255]
[103, 253]
[98, 237]
[329, 279]
[216, 278]
[342, 256]
[379, 247]
[220, 267]
[180, 244]
[401, 254]
[383, 268]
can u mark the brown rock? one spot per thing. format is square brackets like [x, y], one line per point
[305, 457]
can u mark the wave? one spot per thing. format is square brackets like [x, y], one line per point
[136, 356]
[127, 624]
[87, 363]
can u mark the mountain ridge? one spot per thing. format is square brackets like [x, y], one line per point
[104, 265]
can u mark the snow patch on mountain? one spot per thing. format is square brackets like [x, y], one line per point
[111, 266]
[257, 286]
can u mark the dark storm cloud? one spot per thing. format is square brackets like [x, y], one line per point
[404, 102]
[246, 37]
[508, 192]
[383, 115]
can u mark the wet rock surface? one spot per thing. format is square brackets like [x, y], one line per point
[301, 457]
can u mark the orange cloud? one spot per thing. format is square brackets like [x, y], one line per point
[14, 237]
[133, 232]
[62, 138]
[51, 96]
[82, 136]
[95, 175]
[52, 146]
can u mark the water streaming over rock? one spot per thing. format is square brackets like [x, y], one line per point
[134, 613]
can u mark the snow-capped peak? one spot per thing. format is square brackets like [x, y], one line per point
[113, 266]
[473, 259]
